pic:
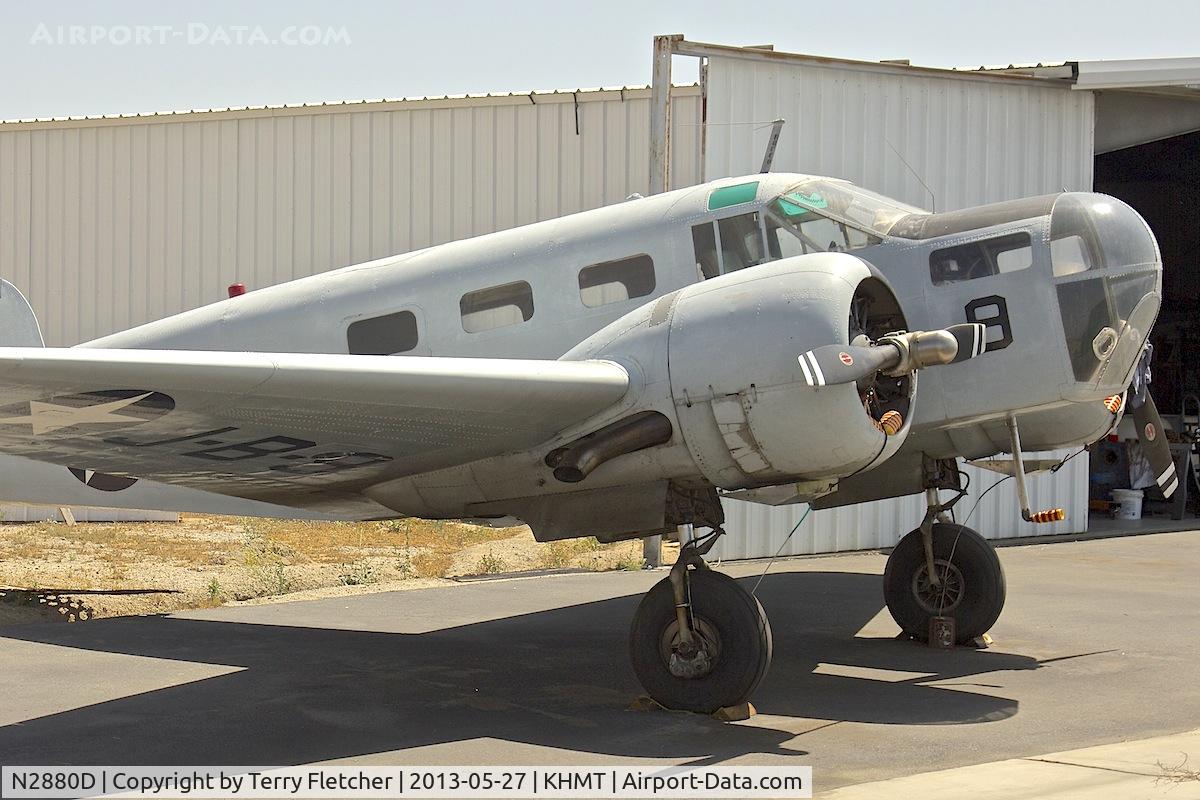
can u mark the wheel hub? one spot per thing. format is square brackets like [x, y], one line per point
[943, 598]
[694, 659]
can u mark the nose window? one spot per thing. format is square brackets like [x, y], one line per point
[1094, 231]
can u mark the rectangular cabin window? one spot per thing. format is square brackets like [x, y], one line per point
[496, 307]
[966, 262]
[616, 281]
[383, 336]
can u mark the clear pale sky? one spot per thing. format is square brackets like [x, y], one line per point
[189, 55]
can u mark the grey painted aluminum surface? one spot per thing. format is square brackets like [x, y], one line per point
[372, 417]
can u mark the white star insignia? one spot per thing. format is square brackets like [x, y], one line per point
[47, 417]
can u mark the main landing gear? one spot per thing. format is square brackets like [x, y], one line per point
[699, 641]
[944, 570]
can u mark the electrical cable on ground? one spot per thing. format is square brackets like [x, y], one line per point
[795, 528]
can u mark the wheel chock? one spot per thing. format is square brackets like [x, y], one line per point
[738, 713]
[978, 643]
[982, 642]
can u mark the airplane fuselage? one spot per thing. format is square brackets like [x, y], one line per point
[539, 290]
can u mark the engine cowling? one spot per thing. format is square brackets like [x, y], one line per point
[722, 360]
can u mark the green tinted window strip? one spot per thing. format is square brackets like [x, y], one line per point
[732, 195]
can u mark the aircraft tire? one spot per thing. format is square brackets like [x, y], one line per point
[727, 617]
[973, 595]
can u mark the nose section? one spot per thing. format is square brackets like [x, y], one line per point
[1108, 276]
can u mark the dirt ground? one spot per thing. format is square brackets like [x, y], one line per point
[89, 570]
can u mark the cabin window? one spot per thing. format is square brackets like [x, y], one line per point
[496, 307]
[616, 281]
[727, 245]
[965, 262]
[383, 336]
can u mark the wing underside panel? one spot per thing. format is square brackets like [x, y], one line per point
[297, 429]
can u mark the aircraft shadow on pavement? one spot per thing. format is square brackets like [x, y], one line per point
[558, 678]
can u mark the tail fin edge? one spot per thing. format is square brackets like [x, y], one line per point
[18, 324]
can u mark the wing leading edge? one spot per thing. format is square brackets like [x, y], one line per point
[304, 430]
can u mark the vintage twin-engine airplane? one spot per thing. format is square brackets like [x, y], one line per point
[615, 372]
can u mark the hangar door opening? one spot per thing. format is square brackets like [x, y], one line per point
[1161, 179]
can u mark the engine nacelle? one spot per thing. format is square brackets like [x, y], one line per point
[721, 360]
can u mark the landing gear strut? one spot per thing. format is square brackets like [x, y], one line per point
[699, 641]
[944, 570]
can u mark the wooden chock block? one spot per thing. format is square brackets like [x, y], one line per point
[738, 713]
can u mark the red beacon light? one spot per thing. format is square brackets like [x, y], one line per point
[237, 289]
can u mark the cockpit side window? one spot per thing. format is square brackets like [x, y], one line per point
[781, 241]
[785, 229]
[704, 240]
[814, 234]
[729, 244]
[741, 242]
[966, 262]
[806, 217]
[844, 202]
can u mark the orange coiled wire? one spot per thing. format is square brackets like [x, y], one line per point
[1113, 403]
[890, 423]
[1052, 515]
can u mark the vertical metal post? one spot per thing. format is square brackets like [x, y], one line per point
[652, 551]
[703, 119]
[660, 113]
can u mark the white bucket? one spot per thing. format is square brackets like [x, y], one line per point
[1130, 503]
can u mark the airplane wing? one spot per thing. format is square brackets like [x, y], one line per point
[303, 430]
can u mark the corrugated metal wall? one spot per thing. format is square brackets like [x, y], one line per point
[110, 223]
[16, 512]
[972, 139]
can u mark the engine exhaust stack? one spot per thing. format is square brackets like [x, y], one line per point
[576, 461]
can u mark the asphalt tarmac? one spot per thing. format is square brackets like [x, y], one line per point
[1099, 643]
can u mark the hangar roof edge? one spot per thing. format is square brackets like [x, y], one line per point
[534, 97]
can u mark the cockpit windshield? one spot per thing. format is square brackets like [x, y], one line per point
[843, 202]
